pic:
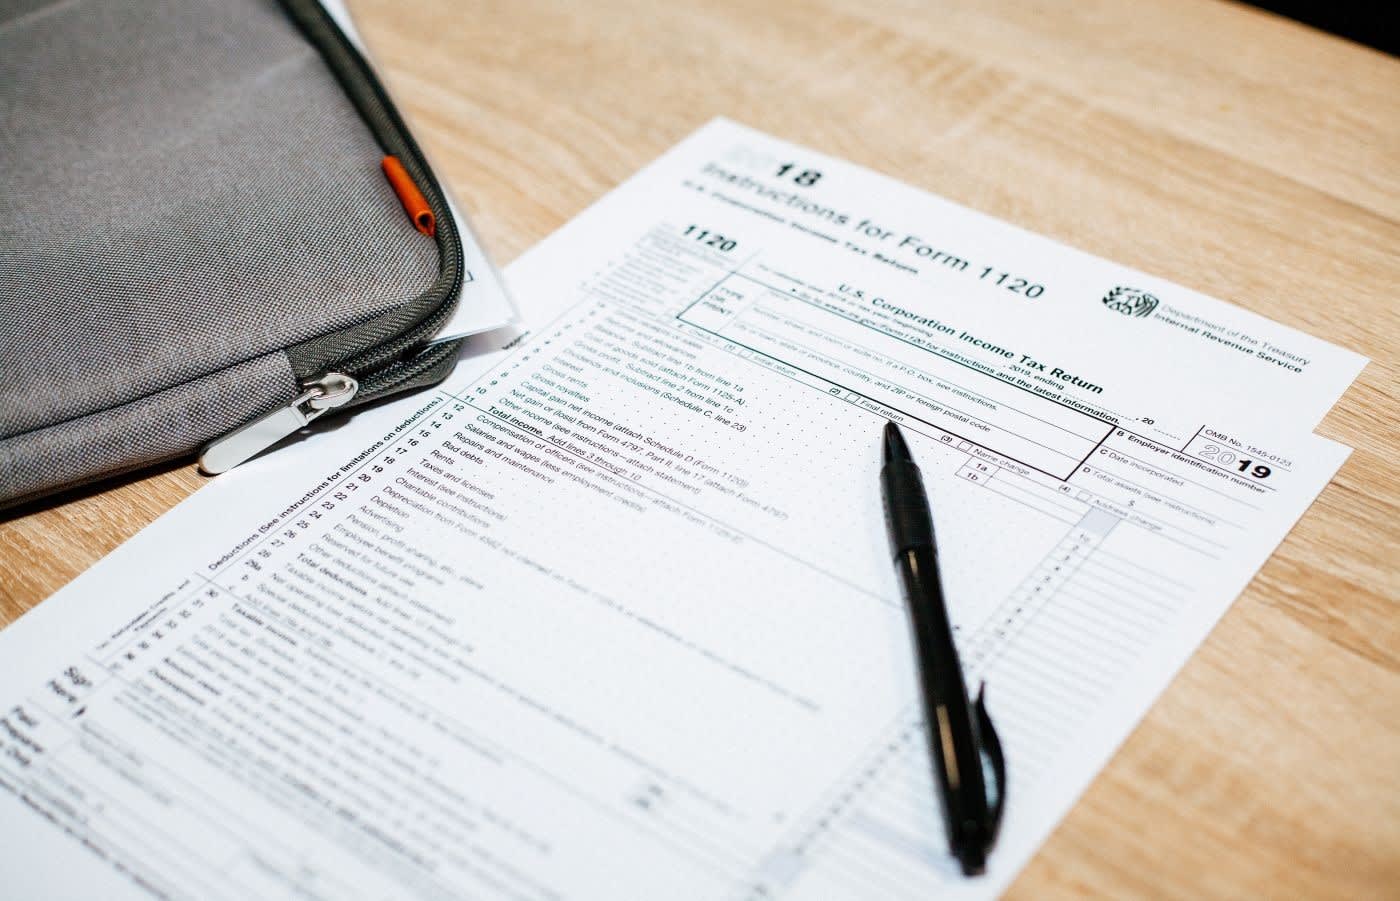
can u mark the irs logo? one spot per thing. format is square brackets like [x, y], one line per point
[1130, 301]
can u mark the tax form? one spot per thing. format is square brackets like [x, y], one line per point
[611, 613]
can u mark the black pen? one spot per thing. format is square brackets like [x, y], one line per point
[959, 735]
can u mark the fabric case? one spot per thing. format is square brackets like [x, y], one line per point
[213, 222]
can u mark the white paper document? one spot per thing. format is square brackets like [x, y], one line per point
[612, 614]
[484, 303]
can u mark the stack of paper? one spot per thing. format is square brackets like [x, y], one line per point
[611, 614]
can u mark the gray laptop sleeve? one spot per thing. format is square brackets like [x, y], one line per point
[198, 236]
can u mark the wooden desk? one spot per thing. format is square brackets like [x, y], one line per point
[1226, 149]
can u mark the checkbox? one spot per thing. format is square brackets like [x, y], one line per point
[964, 445]
[1083, 495]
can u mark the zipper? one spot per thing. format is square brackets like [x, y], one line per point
[371, 359]
[378, 343]
[334, 389]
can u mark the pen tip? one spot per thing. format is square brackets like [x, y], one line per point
[974, 862]
[895, 448]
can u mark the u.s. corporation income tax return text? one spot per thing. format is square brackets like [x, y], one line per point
[610, 614]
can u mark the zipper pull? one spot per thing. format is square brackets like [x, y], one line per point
[334, 389]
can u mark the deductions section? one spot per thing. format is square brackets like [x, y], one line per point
[862, 359]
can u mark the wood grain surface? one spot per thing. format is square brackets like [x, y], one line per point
[1231, 151]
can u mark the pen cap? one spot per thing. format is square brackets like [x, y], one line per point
[906, 506]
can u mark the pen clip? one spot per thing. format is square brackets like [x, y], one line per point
[989, 745]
